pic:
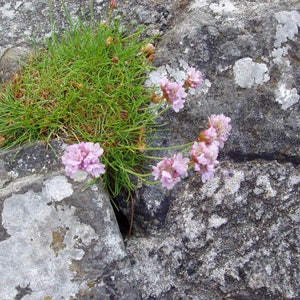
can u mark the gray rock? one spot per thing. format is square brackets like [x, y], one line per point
[235, 237]
[248, 52]
[57, 238]
[12, 60]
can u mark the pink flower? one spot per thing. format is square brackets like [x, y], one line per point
[85, 157]
[209, 135]
[195, 78]
[222, 127]
[205, 159]
[174, 93]
[169, 170]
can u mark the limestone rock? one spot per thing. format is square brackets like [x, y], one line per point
[188, 244]
[57, 238]
[248, 53]
[12, 59]
[235, 237]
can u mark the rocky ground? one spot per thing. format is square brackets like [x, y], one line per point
[235, 237]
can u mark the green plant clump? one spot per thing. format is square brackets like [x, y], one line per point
[87, 85]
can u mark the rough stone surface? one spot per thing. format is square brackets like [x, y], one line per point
[235, 237]
[56, 240]
[248, 52]
[10, 62]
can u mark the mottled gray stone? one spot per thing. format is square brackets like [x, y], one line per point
[248, 52]
[12, 59]
[235, 237]
[57, 238]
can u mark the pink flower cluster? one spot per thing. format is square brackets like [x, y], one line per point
[85, 157]
[204, 154]
[218, 131]
[169, 170]
[175, 93]
[204, 158]
[195, 78]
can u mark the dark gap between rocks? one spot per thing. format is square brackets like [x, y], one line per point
[281, 158]
[123, 222]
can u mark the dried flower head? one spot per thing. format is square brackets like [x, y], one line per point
[148, 49]
[109, 41]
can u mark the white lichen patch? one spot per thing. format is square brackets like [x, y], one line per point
[193, 227]
[286, 97]
[57, 188]
[43, 241]
[166, 71]
[206, 86]
[7, 11]
[287, 29]
[198, 4]
[233, 183]
[222, 6]
[155, 76]
[247, 73]
[216, 221]
[279, 54]
[264, 186]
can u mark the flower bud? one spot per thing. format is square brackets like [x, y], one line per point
[156, 99]
[148, 49]
[113, 4]
[115, 59]
[109, 41]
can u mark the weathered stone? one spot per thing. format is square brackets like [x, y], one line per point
[248, 54]
[12, 59]
[57, 238]
[246, 62]
[235, 237]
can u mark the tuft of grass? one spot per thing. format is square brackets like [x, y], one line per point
[86, 85]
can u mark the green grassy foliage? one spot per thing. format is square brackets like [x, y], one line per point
[86, 85]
